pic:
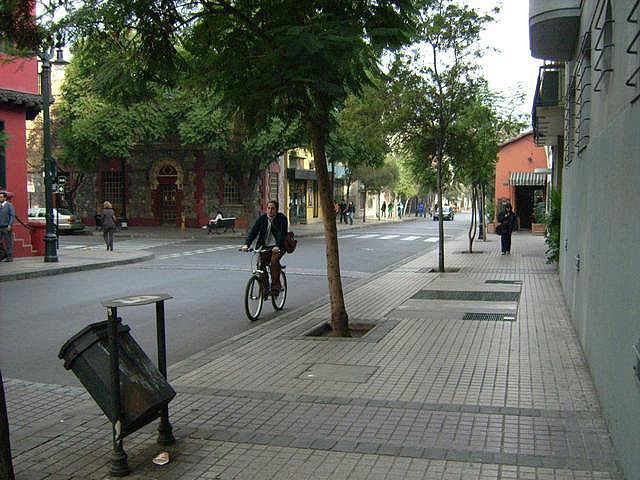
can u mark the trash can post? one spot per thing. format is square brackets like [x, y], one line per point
[165, 431]
[119, 465]
[6, 465]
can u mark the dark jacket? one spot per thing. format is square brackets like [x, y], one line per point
[508, 222]
[279, 226]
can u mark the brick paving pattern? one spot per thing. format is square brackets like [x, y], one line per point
[432, 393]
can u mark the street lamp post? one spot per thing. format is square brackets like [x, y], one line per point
[50, 237]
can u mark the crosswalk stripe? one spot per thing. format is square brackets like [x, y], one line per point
[388, 237]
[370, 235]
[431, 239]
[410, 238]
[349, 235]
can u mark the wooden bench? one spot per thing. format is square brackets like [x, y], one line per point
[226, 223]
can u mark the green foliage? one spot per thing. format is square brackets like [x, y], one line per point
[376, 179]
[539, 213]
[18, 28]
[552, 222]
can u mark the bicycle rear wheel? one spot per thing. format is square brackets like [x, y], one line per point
[253, 298]
[278, 302]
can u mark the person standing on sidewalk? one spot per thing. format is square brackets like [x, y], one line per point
[7, 215]
[108, 224]
[270, 230]
[507, 221]
[383, 210]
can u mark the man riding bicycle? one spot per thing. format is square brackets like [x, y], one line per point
[270, 229]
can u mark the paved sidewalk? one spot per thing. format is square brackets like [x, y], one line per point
[77, 260]
[471, 375]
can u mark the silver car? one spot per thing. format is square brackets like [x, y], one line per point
[66, 220]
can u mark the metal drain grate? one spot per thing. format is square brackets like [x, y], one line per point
[506, 282]
[467, 295]
[490, 317]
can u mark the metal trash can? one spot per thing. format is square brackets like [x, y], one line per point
[144, 392]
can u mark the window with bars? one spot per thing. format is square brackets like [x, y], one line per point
[274, 185]
[583, 96]
[231, 192]
[569, 122]
[633, 48]
[3, 162]
[112, 189]
[604, 46]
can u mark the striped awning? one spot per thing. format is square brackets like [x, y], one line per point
[520, 179]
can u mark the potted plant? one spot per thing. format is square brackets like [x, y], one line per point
[538, 226]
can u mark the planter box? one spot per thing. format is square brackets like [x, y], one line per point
[538, 228]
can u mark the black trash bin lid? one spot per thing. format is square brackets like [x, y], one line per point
[84, 339]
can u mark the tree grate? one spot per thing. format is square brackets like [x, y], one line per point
[467, 295]
[506, 282]
[490, 317]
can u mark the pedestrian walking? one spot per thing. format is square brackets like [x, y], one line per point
[7, 215]
[390, 210]
[351, 211]
[399, 208]
[108, 224]
[507, 224]
[383, 209]
[343, 212]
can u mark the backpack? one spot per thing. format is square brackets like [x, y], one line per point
[290, 243]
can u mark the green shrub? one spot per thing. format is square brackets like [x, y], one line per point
[539, 214]
[552, 221]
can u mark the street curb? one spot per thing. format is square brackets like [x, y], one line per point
[73, 268]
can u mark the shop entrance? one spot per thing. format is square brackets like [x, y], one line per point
[526, 198]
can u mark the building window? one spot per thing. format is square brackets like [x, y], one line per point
[604, 47]
[231, 192]
[570, 122]
[3, 162]
[274, 186]
[583, 96]
[633, 48]
[112, 190]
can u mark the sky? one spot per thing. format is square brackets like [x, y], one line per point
[512, 64]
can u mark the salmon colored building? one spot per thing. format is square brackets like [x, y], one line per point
[520, 178]
[19, 102]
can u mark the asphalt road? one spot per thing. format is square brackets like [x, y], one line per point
[206, 280]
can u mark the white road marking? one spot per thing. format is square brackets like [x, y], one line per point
[432, 239]
[388, 237]
[370, 235]
[410, 238]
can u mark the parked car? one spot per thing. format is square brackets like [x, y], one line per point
[447, 213]
[66, 220]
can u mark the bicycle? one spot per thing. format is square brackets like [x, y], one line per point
[258, 290]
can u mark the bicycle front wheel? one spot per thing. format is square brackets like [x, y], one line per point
[253, 298]
[278, 302]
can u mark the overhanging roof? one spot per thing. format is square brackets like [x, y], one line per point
[522, 179]
[30, 102]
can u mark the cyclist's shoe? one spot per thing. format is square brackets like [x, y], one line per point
[275, 291]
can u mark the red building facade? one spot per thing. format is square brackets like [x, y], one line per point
[517, 181]
[19, 102]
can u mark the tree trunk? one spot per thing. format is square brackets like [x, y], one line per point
[339, 318]
[440, 221]
[248, 188]
[472, 225]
